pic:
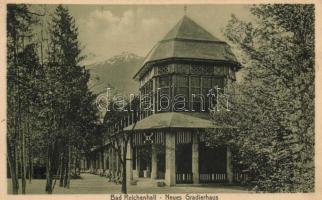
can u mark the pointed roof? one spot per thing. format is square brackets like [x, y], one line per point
[188, 40]
[186, 28]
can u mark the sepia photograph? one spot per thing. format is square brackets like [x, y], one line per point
[149, 99]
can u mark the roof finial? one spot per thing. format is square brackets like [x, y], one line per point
[185, 9]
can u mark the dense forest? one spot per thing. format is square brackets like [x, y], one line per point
[51, 112]
[272, 107]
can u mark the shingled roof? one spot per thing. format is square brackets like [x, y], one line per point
[188, 40]
[176, 120]
[186, 28]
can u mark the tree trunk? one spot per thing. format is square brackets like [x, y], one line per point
[23, 172]
[69, 164]
[123, 162]
[67, 167]
[16, 105]
[29, 154]
[65, 172]
[16, 157]
[31, 170]
[13, 172]
[23, 163]
[62, 169]
[75, 164]
[58, 172]
[49, 178]
[124, 183]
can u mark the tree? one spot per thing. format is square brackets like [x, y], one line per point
[22, 63]
[273, 107]
[73, 109]
[49, 103]
[114, 122]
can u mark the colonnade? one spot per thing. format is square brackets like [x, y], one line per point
[107, 162]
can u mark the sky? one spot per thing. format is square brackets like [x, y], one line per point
[108, 30]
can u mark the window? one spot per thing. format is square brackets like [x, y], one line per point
[195, 82]
[164, 81]
[181, 81]
[181, 93]
[146, 96]
[164, 101]
[174, 93]
[208, 84]
[196, 97]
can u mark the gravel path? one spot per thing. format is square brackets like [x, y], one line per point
[93, 184]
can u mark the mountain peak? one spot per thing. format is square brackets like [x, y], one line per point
[116, 72]
[125, 56]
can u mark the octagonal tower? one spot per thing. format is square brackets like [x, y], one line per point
[186, 63]
[176, 76]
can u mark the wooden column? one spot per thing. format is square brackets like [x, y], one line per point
[170, 155]
[229, 167]
[138, 161]
[81, 165]
[195, 158]
[154, 162]
[154, 88]
[106, 159]
[113, 162]
[102, 159]
[94, 163]
[110, 159]
[117, 160]
[97, 166]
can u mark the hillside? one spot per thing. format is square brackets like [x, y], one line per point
[117, 73]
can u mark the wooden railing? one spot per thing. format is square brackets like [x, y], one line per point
[221, 177]
[184, 178]
[212, 178]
